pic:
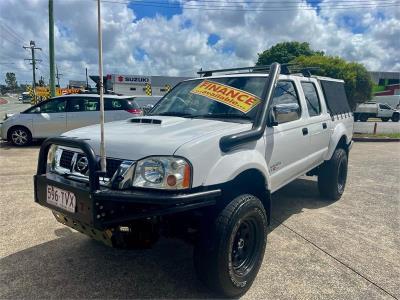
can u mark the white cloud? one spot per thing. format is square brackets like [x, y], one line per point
[160, 46]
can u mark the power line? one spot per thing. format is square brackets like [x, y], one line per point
[298, 6]
[276, 1]
[10, 30]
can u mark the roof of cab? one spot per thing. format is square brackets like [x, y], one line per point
[259, 74]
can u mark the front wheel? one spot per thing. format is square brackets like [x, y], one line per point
[396, 117]
[20, 136]
[227, 260]
[332, 176]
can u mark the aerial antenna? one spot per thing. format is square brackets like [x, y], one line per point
[101, 92]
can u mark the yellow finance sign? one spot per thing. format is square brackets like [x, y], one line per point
[239, 99]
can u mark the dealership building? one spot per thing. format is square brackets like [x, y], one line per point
[139, 85]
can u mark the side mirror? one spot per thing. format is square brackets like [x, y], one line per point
[271, 118]
[37, 110]
[285, 112]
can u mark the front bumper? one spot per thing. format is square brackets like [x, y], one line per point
[102, 208]
[106, 208]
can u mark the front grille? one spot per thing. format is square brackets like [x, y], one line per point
[66, 160]
[112, 166]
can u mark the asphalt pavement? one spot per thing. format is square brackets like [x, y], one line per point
[11, 105]
[349, 249]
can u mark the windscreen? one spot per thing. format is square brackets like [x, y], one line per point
[335, 96]
[214, 97]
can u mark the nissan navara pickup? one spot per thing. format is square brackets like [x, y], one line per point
[202, 167]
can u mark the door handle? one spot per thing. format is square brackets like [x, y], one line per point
[305, 131]
[324, 126]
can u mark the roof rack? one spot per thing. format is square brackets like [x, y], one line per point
[286, 69]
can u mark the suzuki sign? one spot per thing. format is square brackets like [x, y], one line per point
[132, 79]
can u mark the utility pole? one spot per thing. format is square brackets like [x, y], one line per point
[87, 82]
[51, 49]
[58, 76]
[33, 60]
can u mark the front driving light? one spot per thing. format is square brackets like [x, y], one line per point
[162, 172]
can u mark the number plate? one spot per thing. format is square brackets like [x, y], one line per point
[61, 198]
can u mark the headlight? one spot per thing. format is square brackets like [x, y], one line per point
[162, 173]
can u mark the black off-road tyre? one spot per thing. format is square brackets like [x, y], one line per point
[364, 118]
[332, 176]
[396, 117]
[229, 256]
[385, 119]
[20, 136]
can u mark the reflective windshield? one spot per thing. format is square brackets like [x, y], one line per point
[228, 97]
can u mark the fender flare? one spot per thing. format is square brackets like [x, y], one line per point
[228, 167]
[339, 132]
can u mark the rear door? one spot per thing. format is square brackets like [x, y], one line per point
[120, 109]
[50, 118]
[82, 111]
[318, 120]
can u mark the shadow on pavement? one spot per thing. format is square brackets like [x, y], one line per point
[73, 266]
[4, 145]
[293, 198]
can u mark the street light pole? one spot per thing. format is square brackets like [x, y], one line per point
[51, 49]
[100, 46]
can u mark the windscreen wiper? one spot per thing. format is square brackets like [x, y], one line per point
[172, 114]
[222, 116]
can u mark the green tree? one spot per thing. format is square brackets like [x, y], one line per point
[285, 52]
[11, 81]
[357, 80]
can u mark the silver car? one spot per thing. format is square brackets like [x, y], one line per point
[60, 114]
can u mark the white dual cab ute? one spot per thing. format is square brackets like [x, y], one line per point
[202, 167]
[372, 109]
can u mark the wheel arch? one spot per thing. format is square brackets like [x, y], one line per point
[339, 138]
[17, 126]
[250, 181]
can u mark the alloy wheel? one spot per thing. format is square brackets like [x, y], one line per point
[19, 137]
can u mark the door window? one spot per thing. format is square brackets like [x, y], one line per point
[312, 99]
[119, 104]
[286, 102]
[383, 106]
[82, 104]
[53, 106]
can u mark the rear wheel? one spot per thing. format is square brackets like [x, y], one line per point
[363, 118]
[20, 136]
[385, 119]
[333, 175]
[227, 260]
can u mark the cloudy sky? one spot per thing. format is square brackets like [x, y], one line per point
[161, 37]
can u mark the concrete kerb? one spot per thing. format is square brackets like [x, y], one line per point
[373, 139]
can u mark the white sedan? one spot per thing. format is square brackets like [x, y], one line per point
[61, 114]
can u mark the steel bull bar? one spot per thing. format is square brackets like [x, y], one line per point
[100, 210]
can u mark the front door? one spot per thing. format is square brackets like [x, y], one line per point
[49, 118]
[287, 144]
